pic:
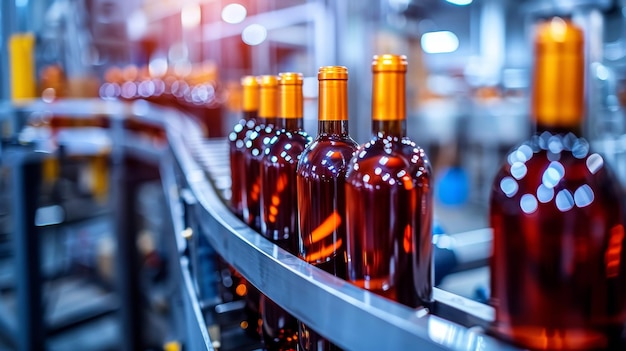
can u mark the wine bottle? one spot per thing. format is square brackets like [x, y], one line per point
[558, 278]
[240, 287]
[279, 207]
[255, 144]
[250, 107]
[321, 192]
[389, 191]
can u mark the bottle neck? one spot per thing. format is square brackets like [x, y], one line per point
[395, 128]
[333, 127]
[265, 121]
[290, 124]
[556, 129]
[250, 115]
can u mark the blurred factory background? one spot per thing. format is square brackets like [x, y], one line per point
[469, 61]
[468, 104]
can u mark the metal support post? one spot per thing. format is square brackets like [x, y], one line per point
[26, 178]
[128, 175]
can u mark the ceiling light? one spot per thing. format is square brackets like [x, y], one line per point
[460, 2]
[439, 42]
[234, 13]
[254, 34]
[190, 16]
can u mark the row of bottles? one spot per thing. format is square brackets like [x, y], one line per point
[329, 201]
[194, 90]
[364, 213]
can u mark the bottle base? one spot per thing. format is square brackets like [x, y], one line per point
[559, 339]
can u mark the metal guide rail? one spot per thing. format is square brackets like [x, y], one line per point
[355, 319]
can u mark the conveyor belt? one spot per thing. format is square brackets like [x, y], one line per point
[353, 318]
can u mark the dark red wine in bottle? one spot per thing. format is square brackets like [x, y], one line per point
[237, 144]
[255, 144]
[279, 205]
[558, 266]
[279, 201]
[321, 191]
[389, 191]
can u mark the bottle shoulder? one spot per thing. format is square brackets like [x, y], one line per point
[324, 142]
[556, 169]
[327, 155]
[241, 130]
[286, 146]
[389, 158]
[259, 137]
[569, 156]
[337, 145]
[299, 134]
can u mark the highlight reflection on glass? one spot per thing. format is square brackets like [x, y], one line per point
[518, 170]
[594, 163]
[564, 200]
[509, 186]
[583, 196]
[528, 203]
[544, 193]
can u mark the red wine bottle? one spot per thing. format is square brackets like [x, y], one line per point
[558, 267]
[237, 144]
[255, 144]
[321, 191]
[279, 201]
[389, 195]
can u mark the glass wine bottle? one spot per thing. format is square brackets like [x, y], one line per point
[279, 207]
[240, 287]
[389, 190]
[255, 144]
[250, 107]
[558, 266]
[321, 191]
